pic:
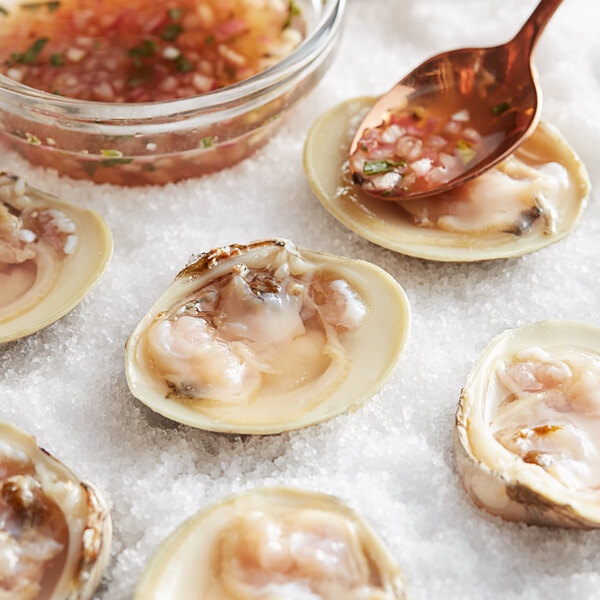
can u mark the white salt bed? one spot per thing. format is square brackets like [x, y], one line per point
[392, 460]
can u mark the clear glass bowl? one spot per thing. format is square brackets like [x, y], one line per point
[160, 142]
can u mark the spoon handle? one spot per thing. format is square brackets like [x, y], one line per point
[530, 32]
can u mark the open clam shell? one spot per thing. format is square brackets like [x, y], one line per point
[526, 438]
[240, 548]
[51, 255]
[539, 216]
[56, 529]
[266, 338]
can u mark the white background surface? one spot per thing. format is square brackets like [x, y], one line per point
[391, 461]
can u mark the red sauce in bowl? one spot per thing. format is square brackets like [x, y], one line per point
[144, 51]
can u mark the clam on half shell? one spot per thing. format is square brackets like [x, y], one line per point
[266, 338]
[51, 255]
[55, 530]
[528, 426]
[273, 543]
[531, 200]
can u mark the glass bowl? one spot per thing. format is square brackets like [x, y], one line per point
[162, 142]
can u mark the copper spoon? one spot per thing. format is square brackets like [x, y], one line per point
[498, 86]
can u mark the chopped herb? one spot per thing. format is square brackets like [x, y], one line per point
[364, 148]
[32, 139]
[149, 167]
[112, 153]
[208, 142]
[175, 13]
[3, 11]
[209, 39]
[112, 162]
[51, 6]
[374, 167]
[293, 11]
[97, 45]
[183, 64]
[56, 60]
[56, 92]
[500, 108]
[171, 32]
[145, 50]
[28, 57]
[465, 152]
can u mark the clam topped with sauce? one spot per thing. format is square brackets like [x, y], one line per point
[273, 543]
[532, 199]
[529, 425]
[266, 337]
[55, 531]
[51, 254]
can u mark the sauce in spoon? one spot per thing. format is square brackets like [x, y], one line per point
[452, 118]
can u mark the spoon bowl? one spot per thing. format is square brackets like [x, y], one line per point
[495, 89]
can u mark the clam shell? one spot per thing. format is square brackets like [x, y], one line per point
[178, 568]
[85, 512]
[78, 273]
[498, 480]
[374, 348]
[387, 224]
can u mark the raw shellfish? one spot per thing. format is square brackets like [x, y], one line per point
[528, 426]
[267, 337]
[51, 255]
[55, 531]
[529, 201]
[273, 543]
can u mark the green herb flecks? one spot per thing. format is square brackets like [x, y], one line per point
[175, 13]
[364, 148]
[113, 162]
[293, 11]
[30, 55]
[3, 11]
[111, 153]
[32, 139]
[465, 152]
[209, 39]
[183, 64]
[171, 32]
[500, 108]
[57, 60]
[146, 49]
[32, 6]
[375, 167]
[149, 167]
[208, 142]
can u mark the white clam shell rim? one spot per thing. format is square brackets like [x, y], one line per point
[377, 345]
[383, 223]
[90, 529]
[175, 571]
[78, 273]
[498, 480]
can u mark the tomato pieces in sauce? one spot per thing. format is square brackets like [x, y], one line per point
[414, 151]
[144, 51]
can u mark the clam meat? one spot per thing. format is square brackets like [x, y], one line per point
[273, 543]
[532, 199]
[266, 337]
[528, 425]
[55, 531]
[51, 255]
